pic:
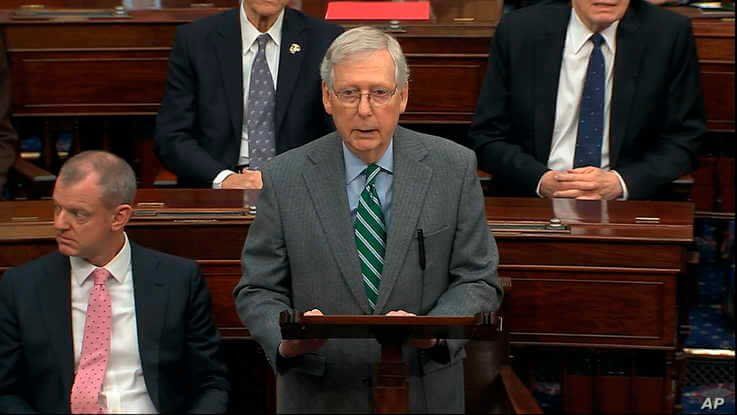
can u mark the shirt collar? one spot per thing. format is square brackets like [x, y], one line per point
[118, 266]
[249, 33]
[354, 166]
[580, 34]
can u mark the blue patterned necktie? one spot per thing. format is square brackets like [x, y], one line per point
[591, 114]
[370, 236]
[260, 111]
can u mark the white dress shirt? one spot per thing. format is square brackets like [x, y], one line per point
[123, 389]
[249, 34]
[576, 54]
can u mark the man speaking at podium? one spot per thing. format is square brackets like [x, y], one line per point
[372, 219]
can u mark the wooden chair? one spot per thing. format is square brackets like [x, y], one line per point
[165, 178]
[492, 386]
[28, 181]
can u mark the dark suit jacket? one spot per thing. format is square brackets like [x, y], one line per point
[178, 342]
[657, 114]
[198, 129]
[8, 137]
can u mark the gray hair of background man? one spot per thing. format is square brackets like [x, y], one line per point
[116, 177]
[364, 39]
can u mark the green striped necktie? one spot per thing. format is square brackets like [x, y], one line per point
[370, 236]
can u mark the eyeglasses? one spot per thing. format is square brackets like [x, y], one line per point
[377, 97]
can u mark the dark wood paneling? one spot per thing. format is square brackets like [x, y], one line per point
[603, 281]
[133, 87]
[122, 38]
[718, 84]
[623, 309]
[448, 61]
[588, 253]
[222, 276]
[445, 98]
[619, 265]
[199, 241]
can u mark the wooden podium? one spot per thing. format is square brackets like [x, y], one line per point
[390, 390]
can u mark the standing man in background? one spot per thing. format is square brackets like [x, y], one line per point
[243, 86]
[8, 137]
[593, 100]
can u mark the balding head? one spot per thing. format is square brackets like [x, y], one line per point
[115, 177]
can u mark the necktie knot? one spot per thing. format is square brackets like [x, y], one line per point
[100, 276]
[371, 172]
[261, 40]
[597, 39]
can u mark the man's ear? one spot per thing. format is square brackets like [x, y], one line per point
[404, 96]
[326, 98]
[121, 216]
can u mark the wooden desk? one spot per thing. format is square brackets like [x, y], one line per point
[606, 278]
[603, 252]
[614, 251]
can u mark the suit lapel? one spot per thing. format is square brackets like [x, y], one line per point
[227, 44]
[547, 63]
[151, 298]
[630, 47]
[290, 64]
[410, 182]
[325, 182]
[55, 301]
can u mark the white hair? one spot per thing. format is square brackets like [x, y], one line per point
[360, 40]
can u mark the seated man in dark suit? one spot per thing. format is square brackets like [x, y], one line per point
[8, 138]
[243, 86]
[104, 325]
[593, 101]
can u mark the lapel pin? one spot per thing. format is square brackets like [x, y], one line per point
[295, 48]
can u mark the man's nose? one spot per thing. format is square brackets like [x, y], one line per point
[364, 105]
[60, 220]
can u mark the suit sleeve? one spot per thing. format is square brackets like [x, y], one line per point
[674, 150]
[490, 133]
[474, 285]
[205, 359]
[264, 290]
[177, 147]
[11, 352]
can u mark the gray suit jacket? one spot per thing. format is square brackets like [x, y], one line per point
[300, 254]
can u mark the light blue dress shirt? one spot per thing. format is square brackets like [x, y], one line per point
[355, 181]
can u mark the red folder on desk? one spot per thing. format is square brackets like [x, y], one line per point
[378, 10]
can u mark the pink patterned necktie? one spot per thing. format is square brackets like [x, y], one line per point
[95, 348]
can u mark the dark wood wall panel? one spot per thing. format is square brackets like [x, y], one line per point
[586, 253]
[711, 48]
[200, 243]
[718, 84]
[123, 38]
[608, 308]
[16, 253]
[445, 96]
[222, 277]
[134, 85]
